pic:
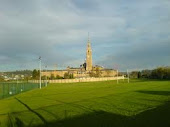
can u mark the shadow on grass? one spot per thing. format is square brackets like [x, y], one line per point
[18, 122]
[36, 113]
[158, 117]
[165, 93]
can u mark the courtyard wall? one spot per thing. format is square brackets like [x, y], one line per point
[79, 80]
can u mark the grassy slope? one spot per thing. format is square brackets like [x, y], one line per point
[138, 103]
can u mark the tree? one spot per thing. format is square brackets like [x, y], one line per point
[146, 73]
[59, 77]
[134, 74]
[95, 72]
[139, 74]
[98, 72]
[92, 74]
[43, 77]
[68, 76]
[27, 77]
[161, 73]
[35, 74]
[108, 73]
[52, 77]
[71, 76]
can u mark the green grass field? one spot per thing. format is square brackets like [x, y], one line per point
[140, 103]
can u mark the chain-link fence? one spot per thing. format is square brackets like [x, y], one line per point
[10, 89]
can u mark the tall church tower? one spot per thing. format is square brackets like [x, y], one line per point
[88, 56]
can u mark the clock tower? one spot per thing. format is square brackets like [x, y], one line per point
[89, 56]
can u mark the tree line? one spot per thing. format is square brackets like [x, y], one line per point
[157, 73]
[36, 75]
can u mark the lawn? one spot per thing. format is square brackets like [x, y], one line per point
[140, 103]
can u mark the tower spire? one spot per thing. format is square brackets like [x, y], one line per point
[88, 37]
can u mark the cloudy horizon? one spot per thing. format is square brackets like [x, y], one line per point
[124, 34]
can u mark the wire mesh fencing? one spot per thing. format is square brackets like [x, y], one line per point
[10, 89]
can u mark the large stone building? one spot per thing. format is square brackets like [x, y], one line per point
[85, 70]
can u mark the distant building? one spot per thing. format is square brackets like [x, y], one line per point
[85, 70]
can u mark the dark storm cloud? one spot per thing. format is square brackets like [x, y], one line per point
[132, 34]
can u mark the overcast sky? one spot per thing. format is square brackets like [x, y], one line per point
[125, 34]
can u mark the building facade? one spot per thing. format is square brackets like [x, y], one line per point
[85, 70]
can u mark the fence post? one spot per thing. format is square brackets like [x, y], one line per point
[16, 88]
[3, 90]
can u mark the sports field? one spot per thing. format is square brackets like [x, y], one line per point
[141, 103]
